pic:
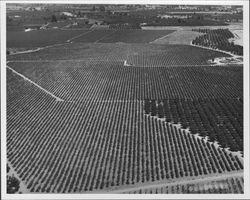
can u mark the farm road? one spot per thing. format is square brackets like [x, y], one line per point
[105, 36]
[218, 50]
[80, 35]
[187, 180]
[38, 49]
[177, 37]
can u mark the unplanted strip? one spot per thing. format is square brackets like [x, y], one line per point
[190, 180]
[71, 39]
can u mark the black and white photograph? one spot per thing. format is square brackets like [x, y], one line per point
[124, 99]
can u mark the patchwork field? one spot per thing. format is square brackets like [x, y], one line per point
[113, 81]
[130, 147]
[109, 112]
[144, 55]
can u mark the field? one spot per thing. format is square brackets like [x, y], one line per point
[108, 111]
[178, 37]
[125, 36]
[129, 147]
[218, 39]
[145, 55]
[184, 34]
[135, 36]
[219, 119]
[39, 38]
[113, 81]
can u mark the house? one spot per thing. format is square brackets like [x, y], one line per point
[68, 14]
[30, 27]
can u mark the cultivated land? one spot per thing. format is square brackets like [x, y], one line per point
[113, 81]
[40, 38]
[138, 106]
[227, 183]
[178, 37]
[144, 55]
[130, 146]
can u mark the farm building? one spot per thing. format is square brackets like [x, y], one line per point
[32, 27]
[68, 14]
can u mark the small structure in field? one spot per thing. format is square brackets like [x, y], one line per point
[68, 14]
[127, 64]
[32, 27]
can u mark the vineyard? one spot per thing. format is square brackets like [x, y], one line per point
[130, 147]
[100, 99]
[141, 119]
[217, 39]
[144, 55]
[113, 81]
[117, 112]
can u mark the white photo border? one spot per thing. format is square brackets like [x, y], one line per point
[246, 195]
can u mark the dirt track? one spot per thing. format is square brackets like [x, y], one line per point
[186, 180]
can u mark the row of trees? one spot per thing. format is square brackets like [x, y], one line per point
[219, 119]
[225, 32]
[13, 184]
[233, 185]
[218, 39]
[88, 145]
